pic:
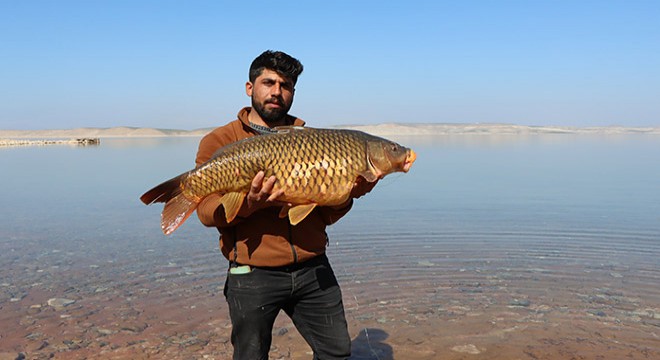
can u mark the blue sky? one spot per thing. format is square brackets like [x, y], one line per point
[183, 64]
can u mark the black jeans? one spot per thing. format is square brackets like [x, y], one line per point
[307, 292]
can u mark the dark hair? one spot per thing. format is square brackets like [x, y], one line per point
[277, 61]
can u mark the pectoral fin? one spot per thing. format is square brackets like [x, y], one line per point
[299, 212]
[232, 202]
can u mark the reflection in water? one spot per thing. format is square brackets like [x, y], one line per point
[535, 247]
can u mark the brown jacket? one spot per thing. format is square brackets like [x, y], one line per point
[263, 239]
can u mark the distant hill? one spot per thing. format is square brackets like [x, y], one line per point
[392, 129]
[486, 129]
[120, 131]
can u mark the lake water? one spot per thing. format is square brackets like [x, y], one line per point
[491, 247]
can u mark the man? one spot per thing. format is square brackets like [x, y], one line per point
[273, 265]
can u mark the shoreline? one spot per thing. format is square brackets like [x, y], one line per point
[45, 142]
[377, 129]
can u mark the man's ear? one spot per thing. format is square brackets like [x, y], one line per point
[248, 88]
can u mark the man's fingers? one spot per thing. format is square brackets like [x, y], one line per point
[257, 182]
[268, 185]
[275, 195]
[362, 187]
[261, 190]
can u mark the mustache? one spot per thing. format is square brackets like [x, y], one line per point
[275, 100]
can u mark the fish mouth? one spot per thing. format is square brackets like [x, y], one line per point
[410, 159]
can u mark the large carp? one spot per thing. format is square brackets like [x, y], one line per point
[312, 166]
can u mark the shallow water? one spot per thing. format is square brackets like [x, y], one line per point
[492, 247]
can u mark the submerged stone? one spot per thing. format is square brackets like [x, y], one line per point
[520, 303]
[60, 303]
[466, 349]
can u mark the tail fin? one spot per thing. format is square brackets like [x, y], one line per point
[163, 192]
[177, 206]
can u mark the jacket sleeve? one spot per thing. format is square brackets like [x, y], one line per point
[209, 210]
[331, 215]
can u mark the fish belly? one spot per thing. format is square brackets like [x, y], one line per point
[310, 167]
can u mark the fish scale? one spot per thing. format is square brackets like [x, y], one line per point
[312, 167]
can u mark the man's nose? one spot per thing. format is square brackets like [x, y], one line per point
[276, 89]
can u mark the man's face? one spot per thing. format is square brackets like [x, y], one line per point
[272, 96]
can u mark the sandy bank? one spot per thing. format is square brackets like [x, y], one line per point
[379, 129]
[120, 131]
[494, 129]
[44, 142]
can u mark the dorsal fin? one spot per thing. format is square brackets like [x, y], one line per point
[288, 128]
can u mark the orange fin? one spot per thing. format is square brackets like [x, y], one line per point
[232, 202]
[163, 192]
[176, 211]
[285, 211]
[299, 212]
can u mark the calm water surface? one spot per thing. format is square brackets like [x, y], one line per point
[492, 246]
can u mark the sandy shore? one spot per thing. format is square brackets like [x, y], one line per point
[44, 142]
[379, 129]
[97, 133]
[495, 129]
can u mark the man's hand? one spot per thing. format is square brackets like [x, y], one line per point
[261, 195]
[362, 187]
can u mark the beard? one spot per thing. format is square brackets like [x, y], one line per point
[271, 116]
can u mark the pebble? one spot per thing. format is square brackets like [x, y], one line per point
[598, 313]
[135, 328]
[647, 313]
[105, 331]
[466, 349]
[60, 303]
[520, 303]
[542, 309]
[34, 336]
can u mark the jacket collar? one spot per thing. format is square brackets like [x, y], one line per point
[243, 117]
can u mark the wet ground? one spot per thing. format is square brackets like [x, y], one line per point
[529, 248]
[436, 300]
